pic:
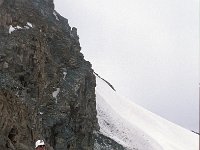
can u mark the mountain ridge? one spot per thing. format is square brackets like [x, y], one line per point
[47, 88]
[137, 128]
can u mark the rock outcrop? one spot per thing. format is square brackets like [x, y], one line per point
[47, 89]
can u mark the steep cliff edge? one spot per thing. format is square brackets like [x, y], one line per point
[47, 89]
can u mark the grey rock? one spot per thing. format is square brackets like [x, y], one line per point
[47, 88]
[35, 50]
[105, 143]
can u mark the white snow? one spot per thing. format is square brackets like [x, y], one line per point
[54, 13]
[41, 113]
[64, 73]
[55, 94]
[137, 128]
[29, 24]
[18, 27]
[11, 29]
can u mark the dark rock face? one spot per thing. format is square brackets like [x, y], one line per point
[47, 89]
[105, 143]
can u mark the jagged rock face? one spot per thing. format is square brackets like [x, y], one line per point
[47, 89]
[105, 143]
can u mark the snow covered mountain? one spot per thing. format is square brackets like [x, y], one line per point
[137, 128]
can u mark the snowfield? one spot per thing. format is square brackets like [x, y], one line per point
[137, 128]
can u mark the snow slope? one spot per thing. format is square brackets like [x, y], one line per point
[136, 128]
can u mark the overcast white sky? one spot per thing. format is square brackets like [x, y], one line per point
[148, 50]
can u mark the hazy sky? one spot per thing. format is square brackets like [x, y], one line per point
[148, 50]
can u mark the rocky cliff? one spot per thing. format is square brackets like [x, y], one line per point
[47, 89]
